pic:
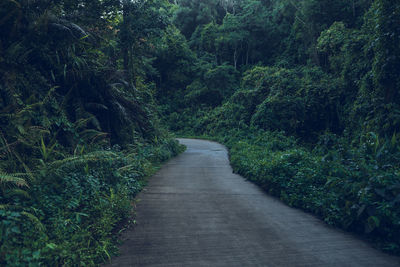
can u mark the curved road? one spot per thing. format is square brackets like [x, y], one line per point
[196, 212]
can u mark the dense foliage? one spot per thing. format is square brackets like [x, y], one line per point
[79, 130]
[305, 95]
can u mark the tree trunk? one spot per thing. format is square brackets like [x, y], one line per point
[124, 41]
[247, 54]
[235, 57]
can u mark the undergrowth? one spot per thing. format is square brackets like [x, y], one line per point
[75, 205]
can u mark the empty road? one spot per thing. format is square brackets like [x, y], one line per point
[196, 212]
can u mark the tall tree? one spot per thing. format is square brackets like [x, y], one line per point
[386, 46]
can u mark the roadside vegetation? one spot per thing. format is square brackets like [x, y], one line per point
[305, 95]
[79, 127]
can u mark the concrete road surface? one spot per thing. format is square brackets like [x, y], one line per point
[196, 212]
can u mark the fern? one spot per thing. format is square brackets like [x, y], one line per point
[8, 182]
[12, 180]
[83, 160]
[130, 169]
[4, 206]
[17, 192]
[36, 222]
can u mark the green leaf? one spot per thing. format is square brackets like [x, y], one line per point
[36, 255]
[51, 246]
[372, 223]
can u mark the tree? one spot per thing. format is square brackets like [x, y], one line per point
[386, 47]
[233, 38]
[142, 22]
[192, 13]
[174, 62]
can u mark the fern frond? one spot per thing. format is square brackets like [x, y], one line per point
[101, 136]
[4, 141]
[84, 159]
[82, 122]
[17, 192]
[49, 94]
[11, 207]
[12, 180]
[91, 133]
[131, 168]
[28, 171]
[36, 222]
[39, 129]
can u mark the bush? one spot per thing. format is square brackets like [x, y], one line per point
[280, 113]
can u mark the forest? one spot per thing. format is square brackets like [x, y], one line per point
[304, 93]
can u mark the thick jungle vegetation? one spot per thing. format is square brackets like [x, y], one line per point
[79, 126]
[304, 94]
